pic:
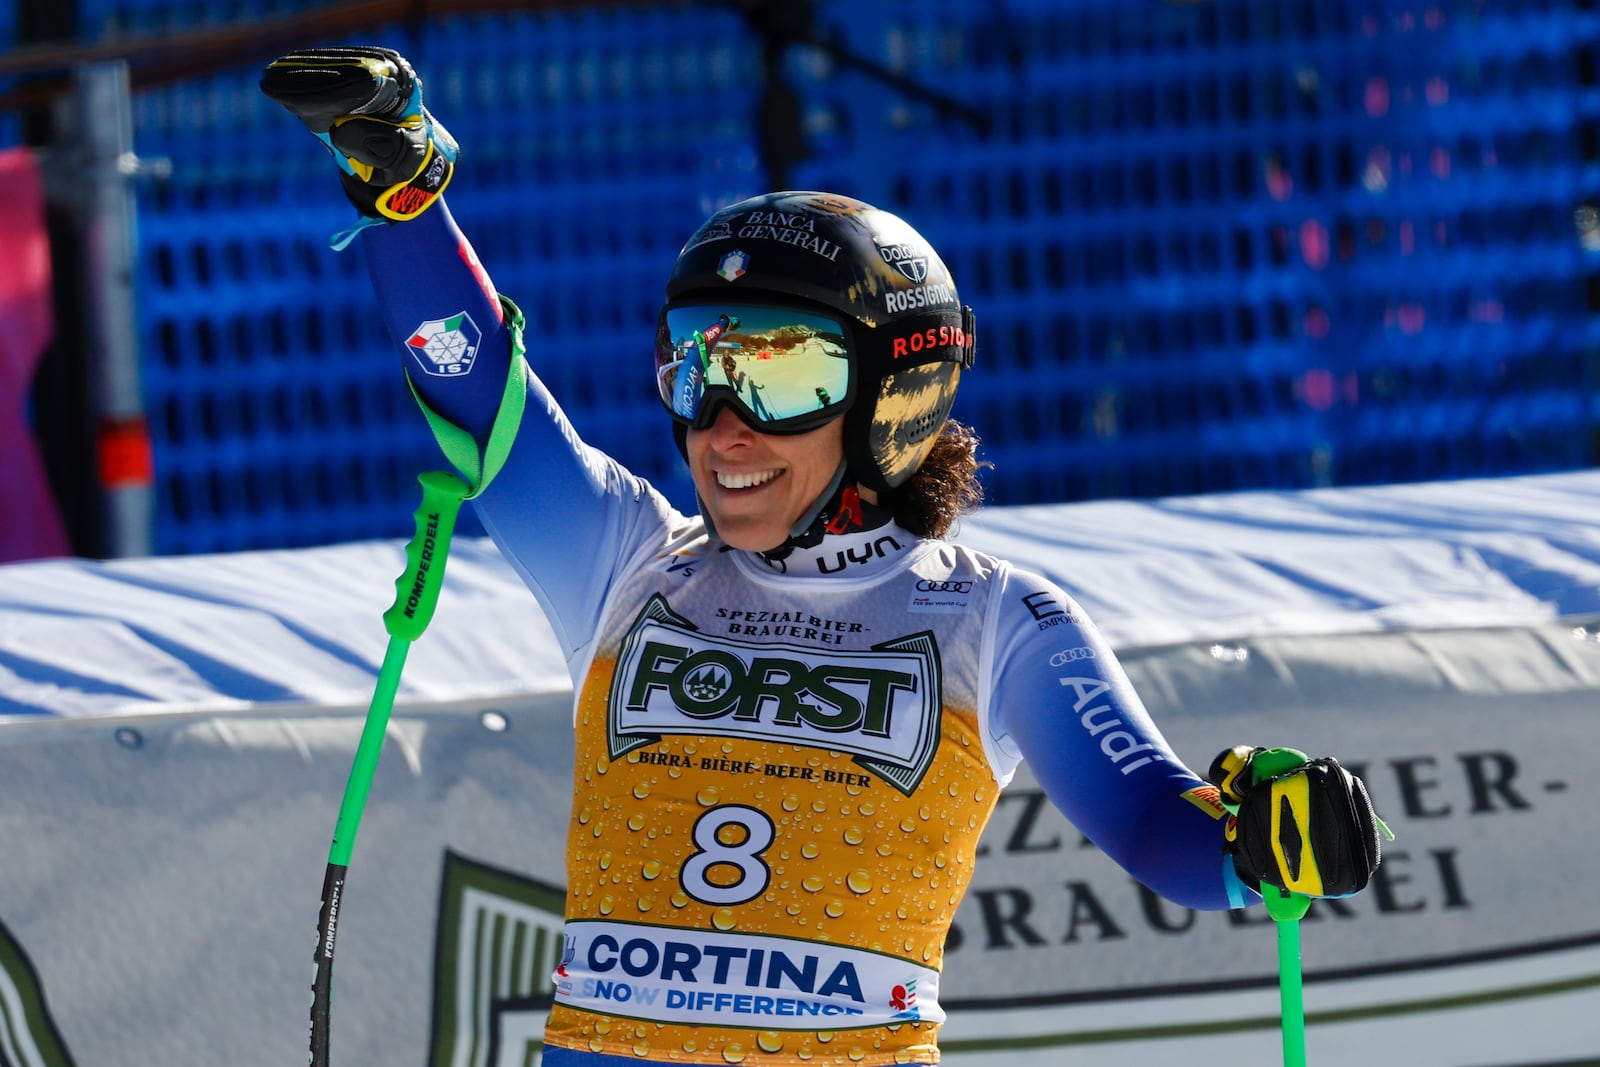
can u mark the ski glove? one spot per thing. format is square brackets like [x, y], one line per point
[1303, 825]
[365, 105]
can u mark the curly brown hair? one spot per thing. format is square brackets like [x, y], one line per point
[944, 488]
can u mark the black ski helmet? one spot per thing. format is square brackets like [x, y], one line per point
[912, 336]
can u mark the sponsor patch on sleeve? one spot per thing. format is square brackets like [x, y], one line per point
[1208, 798]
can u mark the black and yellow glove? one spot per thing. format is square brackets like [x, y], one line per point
[365, 105]
[1303, 825]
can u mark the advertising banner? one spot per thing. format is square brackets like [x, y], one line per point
[1472, 946]
[33, 527]
[159, 888]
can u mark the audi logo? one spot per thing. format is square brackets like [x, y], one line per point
[1066, 656]
[926, 586]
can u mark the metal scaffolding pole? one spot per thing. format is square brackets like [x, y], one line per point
[106, 206]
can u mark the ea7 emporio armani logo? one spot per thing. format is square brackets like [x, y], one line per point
[881, 704]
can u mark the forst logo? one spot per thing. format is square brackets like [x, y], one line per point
[709, 683]
[712, 683]
[883, 705]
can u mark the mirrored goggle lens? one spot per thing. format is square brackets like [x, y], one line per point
[779, 363]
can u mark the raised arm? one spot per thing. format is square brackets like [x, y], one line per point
[544, 495]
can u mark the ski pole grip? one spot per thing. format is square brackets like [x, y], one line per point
[417, 589]
[1282, 905]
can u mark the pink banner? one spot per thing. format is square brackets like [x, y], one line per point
[30, 526]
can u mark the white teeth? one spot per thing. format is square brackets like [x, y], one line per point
[744, 481]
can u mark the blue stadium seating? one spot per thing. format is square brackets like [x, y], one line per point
[1211, 246]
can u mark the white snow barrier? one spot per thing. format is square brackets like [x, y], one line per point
[175, 735]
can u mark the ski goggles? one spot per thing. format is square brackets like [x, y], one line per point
[783, 369]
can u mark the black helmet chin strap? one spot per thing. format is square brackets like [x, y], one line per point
[809, 529]
[812, 525]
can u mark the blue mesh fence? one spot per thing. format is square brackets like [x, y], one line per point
[1211, 246]
[10, 127]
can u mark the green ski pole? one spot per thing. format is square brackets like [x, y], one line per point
[1291, 827]
[416, 596]
[1286, 910]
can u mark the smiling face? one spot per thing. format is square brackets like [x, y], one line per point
[755, 486]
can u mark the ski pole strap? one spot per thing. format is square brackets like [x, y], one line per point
[476, 466]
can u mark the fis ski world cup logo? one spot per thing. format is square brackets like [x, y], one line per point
[446, 347]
